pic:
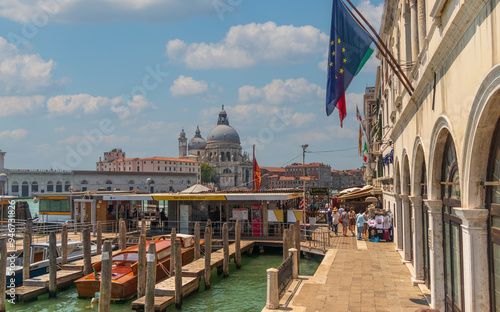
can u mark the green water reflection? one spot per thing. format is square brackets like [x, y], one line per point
[243, 290]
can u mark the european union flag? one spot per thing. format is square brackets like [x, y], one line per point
[349, 50]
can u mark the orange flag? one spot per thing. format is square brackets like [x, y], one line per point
[256, 173]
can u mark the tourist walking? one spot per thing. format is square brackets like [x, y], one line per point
[360, 222]
[335, 220]
[329, 218]
[365, 225]
[352, 221]
[345, 222]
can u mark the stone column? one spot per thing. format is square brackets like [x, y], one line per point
[436, 253]
[421, 23]
[406, 227]
[414, 31]
[398, 215]
[475, 258]
[418, 243]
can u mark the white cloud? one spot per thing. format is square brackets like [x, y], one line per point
[111, 139]
[372, 13]
[20, 105]
[299, 119]
[251, 44]
[184, 86]
[84, 11]
[60, 129]
[14, 134]
[22, 73]
[72, 104]
[352, 100]
[280, 92]
[323, 135]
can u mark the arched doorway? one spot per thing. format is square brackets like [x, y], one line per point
[407, 211]
[452, 232]
[493, 204]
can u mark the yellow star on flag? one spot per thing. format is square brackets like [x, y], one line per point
[345, 60]
[333, 53]
[331, 64]
[343, 49]
[331, 43]
[339, 40]
[341, 70]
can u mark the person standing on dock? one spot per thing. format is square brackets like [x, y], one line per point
[335, 220]
[329, 218]
[360, 222]
[345, 222]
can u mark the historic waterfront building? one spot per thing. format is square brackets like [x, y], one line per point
[436, 152]
[222, 151]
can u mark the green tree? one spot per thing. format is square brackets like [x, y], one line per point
[208, 174]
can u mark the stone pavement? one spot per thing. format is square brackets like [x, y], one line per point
[369, 277]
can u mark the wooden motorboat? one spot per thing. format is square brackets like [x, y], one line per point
[125, 267]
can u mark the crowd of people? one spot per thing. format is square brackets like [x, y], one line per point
[349, 220]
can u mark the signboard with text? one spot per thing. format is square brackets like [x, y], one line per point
[319, 191]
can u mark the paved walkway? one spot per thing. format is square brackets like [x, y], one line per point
[368, 277]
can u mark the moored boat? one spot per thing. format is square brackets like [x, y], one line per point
[125, 268]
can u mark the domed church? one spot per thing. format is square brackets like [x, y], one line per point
[222, 151]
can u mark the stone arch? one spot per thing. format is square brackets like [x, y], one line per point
[417, 165]
[397, 177]
[439, 135]
[483, 116]
[405, 174]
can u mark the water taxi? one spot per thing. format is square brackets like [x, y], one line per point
[125, 267]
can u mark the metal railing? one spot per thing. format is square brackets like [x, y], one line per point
[285, 274]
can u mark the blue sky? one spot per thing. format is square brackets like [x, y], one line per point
[80, 77]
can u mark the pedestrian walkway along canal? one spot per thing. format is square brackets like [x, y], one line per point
[243, 290]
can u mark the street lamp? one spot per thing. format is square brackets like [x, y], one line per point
[3, 179]
[304, 147]
[149, 184]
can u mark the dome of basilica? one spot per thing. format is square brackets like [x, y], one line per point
[223, 132]
[197, 142]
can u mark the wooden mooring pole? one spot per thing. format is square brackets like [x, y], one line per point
[64, 244]
[178, 276]
[173, 236]
[52, 265]
[143, 226]
[149, 306]
[26, 254]
[3, 276]
[123, 235]
[196, 241]
[225, 261]
[208, 254]
[99, 237]
[237, 244]
[87, 254]
[291, 240]
[141, 267]
[105, 289]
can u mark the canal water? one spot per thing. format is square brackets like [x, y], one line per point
[243, 290]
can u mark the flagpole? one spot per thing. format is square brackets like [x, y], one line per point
[384, 46]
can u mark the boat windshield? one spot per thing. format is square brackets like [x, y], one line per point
[129, 257]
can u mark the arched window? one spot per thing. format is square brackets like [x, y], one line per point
[228, 155]
[109, 182]
[34, 186]
[50, 186]
[170, 182]
[131, 182]
[59, 186]
[15, 187]
[67, 185]
[452, 231]
[227, 170]
[84, 182]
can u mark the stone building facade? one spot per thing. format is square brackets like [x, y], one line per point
[222, 151]
[437, 155]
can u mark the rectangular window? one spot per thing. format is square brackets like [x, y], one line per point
[66, 187]
[84, 188]
[50, 187]
[15, 188]
[34, 187]
[59, 188]
[130, 188]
